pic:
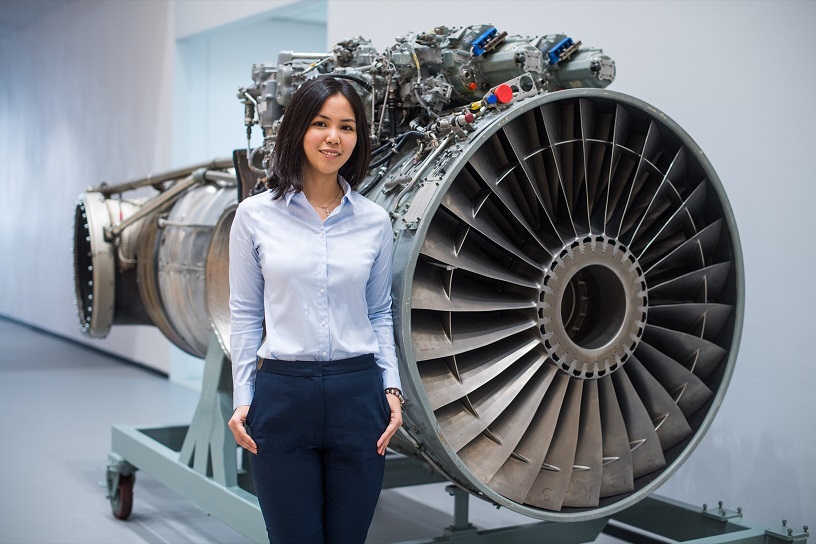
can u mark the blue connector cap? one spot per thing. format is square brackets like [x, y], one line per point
[479, 43]
[554, 54]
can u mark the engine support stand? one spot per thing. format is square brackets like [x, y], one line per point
[208, 447]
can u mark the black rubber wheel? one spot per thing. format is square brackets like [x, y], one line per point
[121, 498]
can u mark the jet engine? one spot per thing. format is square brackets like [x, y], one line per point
[568, 280]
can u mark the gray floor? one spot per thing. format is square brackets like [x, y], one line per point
[58, 401]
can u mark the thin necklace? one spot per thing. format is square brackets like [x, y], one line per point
[329, 203]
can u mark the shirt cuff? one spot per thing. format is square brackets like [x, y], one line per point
[391, 378]
[242, 396]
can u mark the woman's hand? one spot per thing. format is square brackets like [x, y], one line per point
[393, 424]
[236, 425]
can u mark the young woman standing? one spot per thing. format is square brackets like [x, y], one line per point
[311, 260]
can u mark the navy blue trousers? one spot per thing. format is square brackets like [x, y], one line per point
[317, 473]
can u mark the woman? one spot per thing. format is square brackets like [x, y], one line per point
[311, 259]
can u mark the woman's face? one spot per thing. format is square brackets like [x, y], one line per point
[329, 140]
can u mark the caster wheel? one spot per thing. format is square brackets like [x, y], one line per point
[121, 498]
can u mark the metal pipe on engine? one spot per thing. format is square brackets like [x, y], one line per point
[154, 181]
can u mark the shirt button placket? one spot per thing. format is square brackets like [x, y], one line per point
[323, 298]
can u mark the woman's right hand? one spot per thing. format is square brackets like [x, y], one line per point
[236, 425]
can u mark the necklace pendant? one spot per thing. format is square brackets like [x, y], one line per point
[326, 207]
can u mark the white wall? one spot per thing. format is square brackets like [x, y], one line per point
[196, 16]
[736, 76]
[86, 95]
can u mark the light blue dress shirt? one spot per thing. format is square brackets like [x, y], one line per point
[322, 287]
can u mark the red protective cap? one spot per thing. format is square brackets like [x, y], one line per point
[504, 93]
[473, 86]
[469, 118]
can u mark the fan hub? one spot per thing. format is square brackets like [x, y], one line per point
[592, 307]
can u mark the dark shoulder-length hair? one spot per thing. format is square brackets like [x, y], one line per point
[288, 156]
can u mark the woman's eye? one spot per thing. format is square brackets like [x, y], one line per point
[319, 124]
[348, 128]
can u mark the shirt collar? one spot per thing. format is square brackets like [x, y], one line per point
[343, 184]
[347, 191]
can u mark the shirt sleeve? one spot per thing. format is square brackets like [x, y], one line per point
[378, 296]
[246, 307]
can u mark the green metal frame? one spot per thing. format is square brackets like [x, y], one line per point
[200, 462]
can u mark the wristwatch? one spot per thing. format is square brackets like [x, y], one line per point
[397, 393]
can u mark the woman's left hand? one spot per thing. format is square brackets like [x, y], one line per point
[394, 423]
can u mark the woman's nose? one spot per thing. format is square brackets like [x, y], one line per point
[332, 136]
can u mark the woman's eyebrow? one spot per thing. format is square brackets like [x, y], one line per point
[329, 118]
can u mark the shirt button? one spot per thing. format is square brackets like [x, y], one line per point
[321, 235]
[323, 323]
[325, 353]
[322, 291]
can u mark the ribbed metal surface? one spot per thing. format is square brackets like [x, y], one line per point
[153, 271]
[182, 250]
[217, 279]
[570, 306]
